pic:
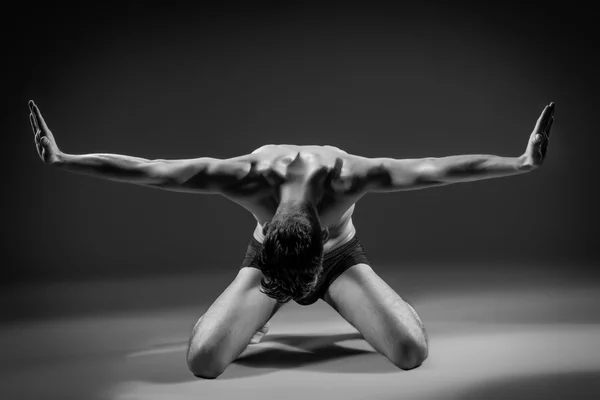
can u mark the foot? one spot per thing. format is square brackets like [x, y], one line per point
[259, 334]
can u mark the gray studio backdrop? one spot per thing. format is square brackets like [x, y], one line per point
[406, 83]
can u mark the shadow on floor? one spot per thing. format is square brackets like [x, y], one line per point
[164, 367]
[314, 352]
[568, 385]
[166, 364]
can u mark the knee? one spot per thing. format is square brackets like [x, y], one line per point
[204, 362]
[409, 354]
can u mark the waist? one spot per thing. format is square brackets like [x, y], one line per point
[339, 235]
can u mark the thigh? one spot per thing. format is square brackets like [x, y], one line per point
[383, 318]
[225, 329]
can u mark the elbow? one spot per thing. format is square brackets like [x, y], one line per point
[430, 172]
[157, 174]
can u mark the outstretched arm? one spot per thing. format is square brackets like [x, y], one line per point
[201, 175]
[387, 174]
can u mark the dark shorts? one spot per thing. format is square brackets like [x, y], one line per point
[335, 263]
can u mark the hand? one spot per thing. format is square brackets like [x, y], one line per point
[44, 140]
[538, 140]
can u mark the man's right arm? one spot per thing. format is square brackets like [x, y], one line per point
[199, 175]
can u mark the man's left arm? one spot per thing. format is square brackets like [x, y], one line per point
[388, 174]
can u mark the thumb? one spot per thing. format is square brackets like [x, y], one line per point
[538, 138]
[46, 143]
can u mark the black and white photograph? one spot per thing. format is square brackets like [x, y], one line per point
[297, 200]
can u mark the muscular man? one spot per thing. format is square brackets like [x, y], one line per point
[304, 246]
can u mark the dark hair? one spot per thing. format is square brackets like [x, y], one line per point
[292, 253]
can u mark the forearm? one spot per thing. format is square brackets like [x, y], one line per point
[389, 175]
[473, 167]
[115, 167]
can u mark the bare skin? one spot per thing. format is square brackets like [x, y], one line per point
[333, 181]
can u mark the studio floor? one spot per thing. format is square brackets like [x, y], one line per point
[512, 338]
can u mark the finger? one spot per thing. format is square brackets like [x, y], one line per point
[549, 127]
[33, 124]
[549, 113]
[543, 148]
[39, 119]
[540, 120]
[36, 137]
[549, 116]
[544, 118]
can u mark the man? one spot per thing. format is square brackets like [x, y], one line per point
[304, 245]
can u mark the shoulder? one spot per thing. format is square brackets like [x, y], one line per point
[352, 174]
[359, 165]
[333, 149]
[265, 148]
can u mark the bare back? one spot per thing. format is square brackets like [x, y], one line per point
[327, 170]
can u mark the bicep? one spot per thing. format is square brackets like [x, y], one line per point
[391, 175]
[199, 175]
